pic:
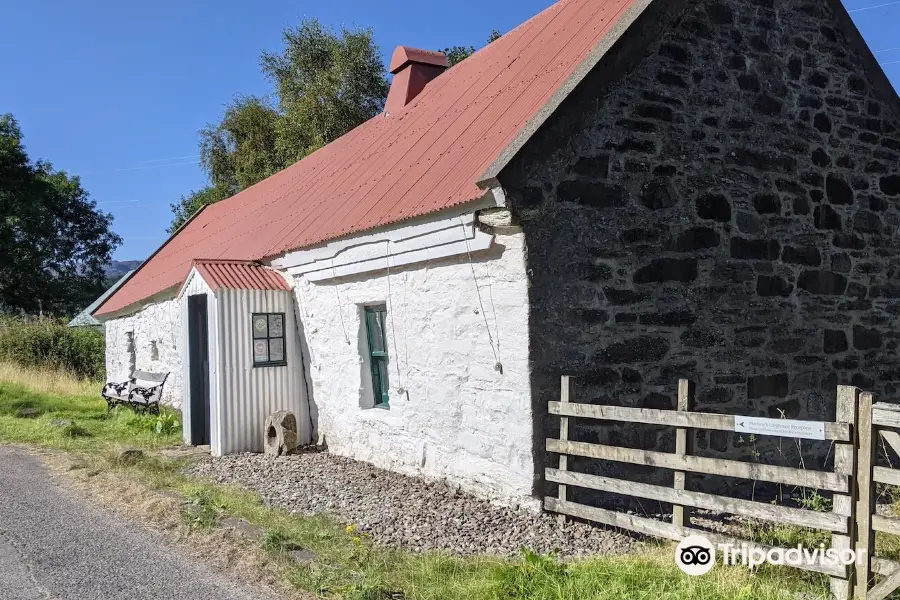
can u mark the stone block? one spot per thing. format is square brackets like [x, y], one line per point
[280, 433]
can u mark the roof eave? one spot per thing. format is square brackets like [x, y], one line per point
[96, 313]
[167, 294]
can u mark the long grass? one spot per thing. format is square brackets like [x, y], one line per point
[348, 564]
[48, 381]
[50, 344]
[50, 409]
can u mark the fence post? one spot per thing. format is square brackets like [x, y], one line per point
[865, 500]
[566, 393]
[844, 505]
[681, 514]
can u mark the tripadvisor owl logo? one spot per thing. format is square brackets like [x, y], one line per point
[695, 555]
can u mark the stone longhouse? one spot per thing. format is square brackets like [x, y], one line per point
[665, 189]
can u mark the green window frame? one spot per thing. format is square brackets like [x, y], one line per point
[268, 339]
[378, 356]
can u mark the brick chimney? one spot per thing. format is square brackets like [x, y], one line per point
[412, 69]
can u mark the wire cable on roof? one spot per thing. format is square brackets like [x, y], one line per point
[142, 168]
[393, 320]
[171, 158]
[498, 366]
[871, 7]
[405, 322]
[337, 293]
[490, 287]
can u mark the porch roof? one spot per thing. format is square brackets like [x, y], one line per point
[239, 275]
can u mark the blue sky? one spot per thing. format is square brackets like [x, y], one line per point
[116, 91]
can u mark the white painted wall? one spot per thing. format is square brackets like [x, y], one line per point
[451, 415]
[160, 323]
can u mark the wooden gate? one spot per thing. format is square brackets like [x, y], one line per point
[878, 422]
[841, 522]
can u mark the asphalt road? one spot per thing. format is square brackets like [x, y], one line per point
[53, 544]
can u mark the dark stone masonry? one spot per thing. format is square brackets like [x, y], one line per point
[716, 201]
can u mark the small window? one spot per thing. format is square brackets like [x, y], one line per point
[378, 358]
[268, 340]
[132, 353]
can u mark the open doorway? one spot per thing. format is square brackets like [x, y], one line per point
[198, 352]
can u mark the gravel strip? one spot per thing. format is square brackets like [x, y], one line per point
[404, 512]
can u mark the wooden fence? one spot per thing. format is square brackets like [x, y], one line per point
[851, 522]
[879, 423]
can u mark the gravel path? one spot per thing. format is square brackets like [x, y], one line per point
[54, 544]
[401, 511]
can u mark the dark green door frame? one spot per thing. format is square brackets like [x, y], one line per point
[378, 357]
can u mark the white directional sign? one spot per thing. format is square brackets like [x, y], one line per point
[810, 430]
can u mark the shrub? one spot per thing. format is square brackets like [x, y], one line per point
[49, 343]
[274, 540]
[200, 512]
[74, 430]
[165, 423]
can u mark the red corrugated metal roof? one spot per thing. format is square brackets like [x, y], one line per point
[239, 275]
[427, 157]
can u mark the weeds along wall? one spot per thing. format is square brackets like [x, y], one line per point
[49, 343]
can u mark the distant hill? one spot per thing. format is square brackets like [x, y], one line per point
[116, 269]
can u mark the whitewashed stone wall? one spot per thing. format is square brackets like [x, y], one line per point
[159, 323]
[452, 413]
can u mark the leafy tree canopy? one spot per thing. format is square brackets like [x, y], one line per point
[457, 54]
[326, 83]
[54, 243]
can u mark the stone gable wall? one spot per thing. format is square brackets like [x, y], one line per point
[725, 212]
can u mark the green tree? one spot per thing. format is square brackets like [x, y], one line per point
[191, 203]
[241, 149]
[54, 243]
[457, 54]
[326, 83]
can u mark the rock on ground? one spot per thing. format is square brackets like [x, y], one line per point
[405, 512]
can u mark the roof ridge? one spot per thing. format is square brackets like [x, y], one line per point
[428, 157]
[249, 262]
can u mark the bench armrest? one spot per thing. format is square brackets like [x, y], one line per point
[145, 394]
[115, 388]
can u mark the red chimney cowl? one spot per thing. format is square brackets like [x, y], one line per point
[412, 69]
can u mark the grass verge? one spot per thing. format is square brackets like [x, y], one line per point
[76, 421]
[347, 564]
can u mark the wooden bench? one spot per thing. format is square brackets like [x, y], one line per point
[142, 392]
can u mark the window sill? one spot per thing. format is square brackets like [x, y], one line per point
[272, 364]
